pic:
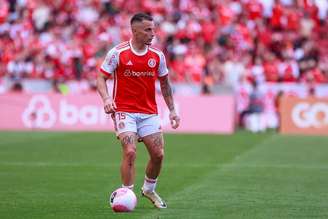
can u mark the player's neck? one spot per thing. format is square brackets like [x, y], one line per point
[139, 47]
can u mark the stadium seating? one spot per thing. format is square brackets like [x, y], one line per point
[206, 42]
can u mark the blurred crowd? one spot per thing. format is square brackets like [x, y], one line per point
[206, 42]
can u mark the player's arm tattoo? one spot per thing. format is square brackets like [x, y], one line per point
[167, 92]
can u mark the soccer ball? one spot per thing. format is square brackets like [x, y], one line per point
[123, 200]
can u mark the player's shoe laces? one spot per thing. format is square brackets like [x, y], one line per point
[154, 198]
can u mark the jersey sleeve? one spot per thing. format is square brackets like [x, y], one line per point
[162, 69]
[110, 63]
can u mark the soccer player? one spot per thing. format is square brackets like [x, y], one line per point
[135, 65]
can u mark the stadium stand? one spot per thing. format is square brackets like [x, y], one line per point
[210, 46]
[206, 42]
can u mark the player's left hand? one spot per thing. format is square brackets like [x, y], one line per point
[174, 119]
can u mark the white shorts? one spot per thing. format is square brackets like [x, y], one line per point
[140, 123]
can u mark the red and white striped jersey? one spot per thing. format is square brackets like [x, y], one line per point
[134, 77]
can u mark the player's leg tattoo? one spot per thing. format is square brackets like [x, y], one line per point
[158, 141]
[155, 147]
[129, 155]
[154, 144]
[128, 139]
[129, 147]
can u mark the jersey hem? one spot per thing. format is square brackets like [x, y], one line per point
[136, 111]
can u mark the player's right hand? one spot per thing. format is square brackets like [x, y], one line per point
[109, 105]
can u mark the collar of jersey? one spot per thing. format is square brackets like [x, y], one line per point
[138, 53]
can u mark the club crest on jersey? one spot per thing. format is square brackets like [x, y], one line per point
[121, 125]
[151, 63]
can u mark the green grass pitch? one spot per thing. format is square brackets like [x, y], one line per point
[70, 175]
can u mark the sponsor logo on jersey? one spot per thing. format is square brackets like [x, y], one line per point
[152, 63]
[129, 63]
[131, 73]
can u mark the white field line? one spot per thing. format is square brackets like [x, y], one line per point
[228, 166]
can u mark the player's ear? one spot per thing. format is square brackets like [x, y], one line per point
[134, 28]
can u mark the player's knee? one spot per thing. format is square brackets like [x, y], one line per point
[158, 156]
[130, 154]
